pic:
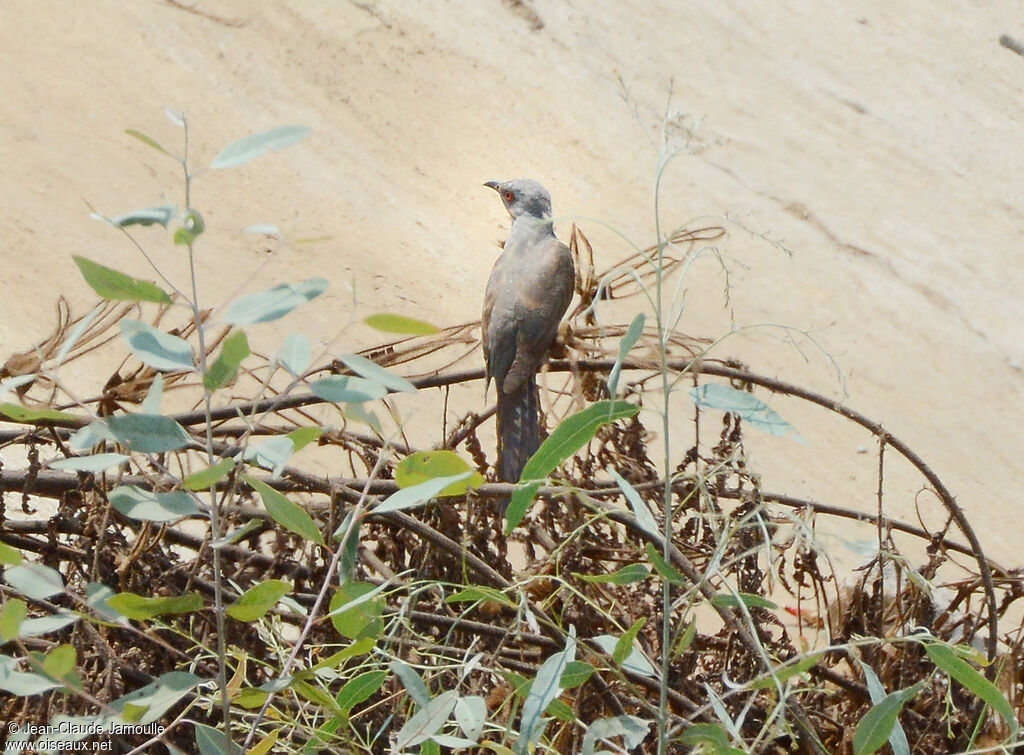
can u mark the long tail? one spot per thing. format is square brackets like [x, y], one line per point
[518, 430]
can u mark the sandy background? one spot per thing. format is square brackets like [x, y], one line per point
[882, 144]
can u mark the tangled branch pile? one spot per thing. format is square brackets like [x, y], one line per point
[762, 632]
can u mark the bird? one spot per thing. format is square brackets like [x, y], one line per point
[527, 294]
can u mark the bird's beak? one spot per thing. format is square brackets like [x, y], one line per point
[496, 185]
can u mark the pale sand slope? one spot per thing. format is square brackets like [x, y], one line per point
[881, 144]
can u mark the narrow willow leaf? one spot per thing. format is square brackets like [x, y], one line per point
[76, 334]
[782, 673]
[154, 396]
[289, 515]
[94, 463]
[35, 581]
[572, 434]
[110, 284]
[898, 739]
[225, 366]
[14, 612]
[153, 347]
[946, 659]
[624, 647]
[23, 683]
[478, 593]
[205, 478]
[421, 466]
[303, 436]
[644, 518]
[162, 214]
[876, 727]
[148, 433]
[427, 721]
[545, 688]
[250, 147]
[96, 596]
[360, 689]
[146, 140]
[141, 607]
[272, 454]
[157, 697]
[418, 495]
[391, 323]
[411, 681]
[46, 624]
[266, 306]
[13, 383]
[631, 728]
[635, 661]
[147, 506]
[237, 534]
[521, 499]
[257, 600]
[296, 353]
[377, 374]
[744, 404]
[636, 329]
[212, 741]
[87, 437]
[665, 570]
[626, 575]
[17, 413]
[346, 389]
[575, 674]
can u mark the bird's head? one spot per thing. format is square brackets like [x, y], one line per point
[523, 196]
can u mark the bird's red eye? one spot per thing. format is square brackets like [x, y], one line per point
[509, 196]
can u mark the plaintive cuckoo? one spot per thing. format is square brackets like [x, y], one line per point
[529, 290]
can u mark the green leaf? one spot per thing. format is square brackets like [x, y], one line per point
[545, 688]
[744, 404]
[146, 140]
[9, 556]
[93, 463]
[35, 581]
[575, 674]
[391, 323]
[162, 214]
[140, 607]
[898, 738]
[665, 570]
[147, 506]
[273, 304]
[289, 515]
[572, 434]
[426, 465]
[14, 612]
[22, 683]
[636, 329]
[635, 660]
[626, 575]
[303, 436]
[250, 697]
[363, 619]
[685, 639]
[205, 478]
[878, 723]
[250, 147]
[782, 673]
[427, 721]
[417, 495]
[707, 734]
[157, 697]
[60, 661]
[257, 600]
[377, 374]
[624, 647]
[148, 433]
[477, 593]
[725, 600]
[212, 741]
[521, 499]
[296, 353]
[644, 519]
[360, 689]
[110, 284]
[225, 367]
[411, 681]
[346, 389]
[17, 413]
[946, 659]
[153, 347]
